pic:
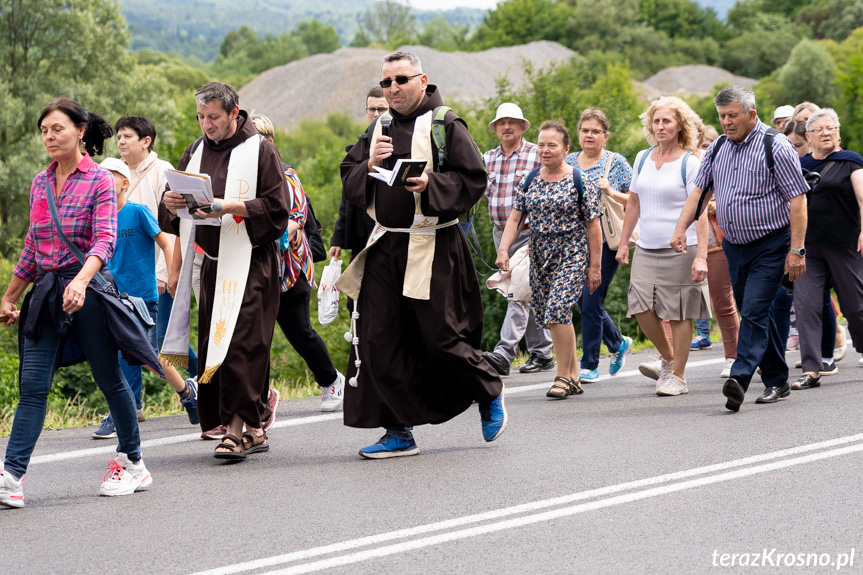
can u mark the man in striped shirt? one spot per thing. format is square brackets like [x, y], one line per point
[507, 165]
[762, 211]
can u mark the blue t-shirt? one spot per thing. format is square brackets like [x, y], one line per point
[133, 263]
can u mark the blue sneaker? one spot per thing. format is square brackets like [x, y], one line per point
[700, 342]
[618, 358]
[390, 446]
[588, 375]
[189, 399]
[494, 417]
[106, 430]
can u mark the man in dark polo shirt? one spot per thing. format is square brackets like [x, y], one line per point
[763, 215]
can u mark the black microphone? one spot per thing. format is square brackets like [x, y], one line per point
[385, 121]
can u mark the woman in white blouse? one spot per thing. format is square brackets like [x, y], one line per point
[663, 283]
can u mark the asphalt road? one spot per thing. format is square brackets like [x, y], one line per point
[616, 480]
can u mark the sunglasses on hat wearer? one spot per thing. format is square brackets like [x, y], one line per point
[400, 80]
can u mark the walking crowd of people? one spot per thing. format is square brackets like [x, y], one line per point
[757, 226]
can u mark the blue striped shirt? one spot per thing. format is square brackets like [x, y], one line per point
[750, 203]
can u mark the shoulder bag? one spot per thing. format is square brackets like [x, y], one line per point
[612, 216]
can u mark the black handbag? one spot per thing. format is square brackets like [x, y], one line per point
[136, 304]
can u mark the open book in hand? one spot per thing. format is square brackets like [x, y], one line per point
[397, 177]
[197, 190]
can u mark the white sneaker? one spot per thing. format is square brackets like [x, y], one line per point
[11, 494]
[650, 369]
[839, 352]
[664, 374]
[125, 477]
[672, 385]
[333, 395]
[726, 371]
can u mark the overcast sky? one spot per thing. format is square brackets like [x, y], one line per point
[448, 4]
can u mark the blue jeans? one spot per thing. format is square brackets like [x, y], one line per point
[132, 373]
[166, 303]
[756, 272]
[596, 324]
[702, 328]
[38, 362]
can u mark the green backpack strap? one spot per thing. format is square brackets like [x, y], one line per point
[439, 134]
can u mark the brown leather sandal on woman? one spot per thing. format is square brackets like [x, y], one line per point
[235, 445]
[564, 389]
[255, 443]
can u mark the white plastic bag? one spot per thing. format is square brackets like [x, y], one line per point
[328, 293]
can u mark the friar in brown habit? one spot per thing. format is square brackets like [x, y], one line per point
[416, 355]
[239, 275]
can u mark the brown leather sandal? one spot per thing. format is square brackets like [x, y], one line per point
[255, 443]
[237, 449]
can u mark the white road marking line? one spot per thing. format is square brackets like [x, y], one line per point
[171, 440]
[558, 513]
[607, 377]
[189, 437]
[546, 503]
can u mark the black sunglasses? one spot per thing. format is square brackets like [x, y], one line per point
[400, 80]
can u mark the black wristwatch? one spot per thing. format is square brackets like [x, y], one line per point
[801, 252]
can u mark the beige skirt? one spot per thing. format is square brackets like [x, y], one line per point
[661, 282]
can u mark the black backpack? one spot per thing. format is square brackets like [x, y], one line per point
[313, 233]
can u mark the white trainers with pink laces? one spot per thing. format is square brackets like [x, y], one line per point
[125, 477]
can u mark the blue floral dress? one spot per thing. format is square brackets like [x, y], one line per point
[559, 253]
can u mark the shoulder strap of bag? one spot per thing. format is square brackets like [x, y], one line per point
[439, 136]
[106, 285]
[608, 164]
[139, 180]
[644, 158]
[768, 148]
[683, 167]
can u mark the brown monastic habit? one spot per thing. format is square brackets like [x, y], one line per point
[420, 358]
[241, 383]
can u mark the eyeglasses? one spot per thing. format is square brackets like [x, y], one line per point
[824, 130]
[587, 132]
[400, 80]
[377, 110]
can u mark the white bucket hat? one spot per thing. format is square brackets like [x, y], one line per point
[117, 165]
[509, 110]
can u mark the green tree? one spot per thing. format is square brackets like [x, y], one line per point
[680, 18]
[809, 74]
[440, 34]
[388, 22]
[756, 53]
[515, 22]
[318, 38]
[76, 48]
[834, 19]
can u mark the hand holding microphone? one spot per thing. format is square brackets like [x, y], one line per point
[385, 121]
[216, 206]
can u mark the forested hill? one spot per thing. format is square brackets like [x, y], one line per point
[197, 27]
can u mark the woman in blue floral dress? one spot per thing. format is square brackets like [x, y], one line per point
[565, 242]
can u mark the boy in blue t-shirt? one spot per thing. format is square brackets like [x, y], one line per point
[135, 273]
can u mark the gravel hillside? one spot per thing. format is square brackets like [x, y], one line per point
[315, 86]
[320, 84]
[693, 80]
